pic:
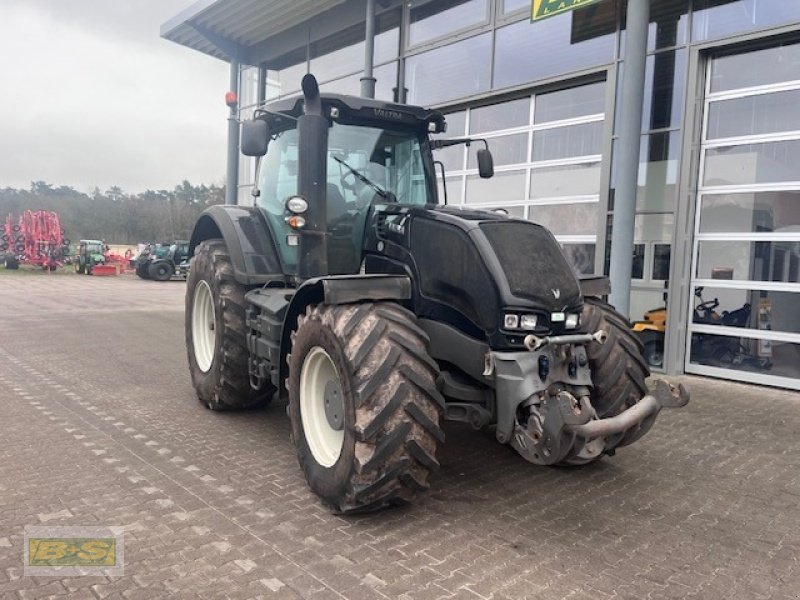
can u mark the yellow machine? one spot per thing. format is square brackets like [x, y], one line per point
[651, 332]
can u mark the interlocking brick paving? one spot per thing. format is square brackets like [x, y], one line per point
[99, 426]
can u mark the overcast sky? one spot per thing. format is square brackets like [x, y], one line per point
[90, 95]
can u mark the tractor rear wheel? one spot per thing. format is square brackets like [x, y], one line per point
[618, 368]
[364, 406]
[160, 271]
[79, 267]
[216, 332]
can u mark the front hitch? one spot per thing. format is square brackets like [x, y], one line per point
[663, 395]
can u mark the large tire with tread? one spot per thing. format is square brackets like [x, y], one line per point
[390, 430]
[141, 269]
[225, 384]
[618, 367]
[160, 271]
[11, 263]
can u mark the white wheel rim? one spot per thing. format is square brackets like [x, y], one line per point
[324, 441]
[204, 334]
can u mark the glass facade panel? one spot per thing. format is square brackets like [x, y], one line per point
[662, 256]
[285, 82]
[506, 150]
[456, 124]
[454, 71]
[350, 85]
[749, 261]
[753, 212]
[764, 357]
[665, 77]
[513, 5]
[769, 162]
[569, 180]
[567, 219]
[432, 20]
[754, 115]
[455, 186]
[524, 50]
[452, 157]
[568, 142]
[753, 308]
[505, 186]
[761, 67]
[580, 256]
[637, 267]
[505, 115]
[573, 102]
[659, 161]
[343, 54]
[718, 18]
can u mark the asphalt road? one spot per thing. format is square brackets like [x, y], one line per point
[100, 426]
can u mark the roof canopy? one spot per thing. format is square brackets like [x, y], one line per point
[228, 29]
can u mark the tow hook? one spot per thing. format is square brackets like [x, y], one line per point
[663, 395]
[534, 343]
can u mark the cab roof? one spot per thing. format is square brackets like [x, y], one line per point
[354, 109]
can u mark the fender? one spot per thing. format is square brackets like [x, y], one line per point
[247, 235]
[284, 306]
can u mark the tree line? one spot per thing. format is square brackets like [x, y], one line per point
[115, 215]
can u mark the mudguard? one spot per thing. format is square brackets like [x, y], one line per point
[253, 253]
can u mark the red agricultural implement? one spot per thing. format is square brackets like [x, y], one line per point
[36, 239]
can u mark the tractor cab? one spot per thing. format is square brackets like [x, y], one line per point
[374, 154]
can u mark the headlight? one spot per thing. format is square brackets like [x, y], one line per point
[297, 205]
[511, 321]
[572, 321]
[528, 322]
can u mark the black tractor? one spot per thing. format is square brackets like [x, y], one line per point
[161, 261]
[378, 313]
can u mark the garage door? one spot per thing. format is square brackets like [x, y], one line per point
[547, 152]
[746, 262]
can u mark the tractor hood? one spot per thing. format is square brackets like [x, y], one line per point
[471, 268]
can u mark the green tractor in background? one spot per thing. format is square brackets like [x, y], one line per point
[89, 253]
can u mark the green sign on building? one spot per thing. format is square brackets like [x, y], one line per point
[541, 9]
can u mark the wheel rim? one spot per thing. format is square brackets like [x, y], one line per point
[322, 407]
[204, 334]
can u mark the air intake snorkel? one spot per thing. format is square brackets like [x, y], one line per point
[312, 129]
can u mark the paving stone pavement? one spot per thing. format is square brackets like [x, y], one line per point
[100, 426]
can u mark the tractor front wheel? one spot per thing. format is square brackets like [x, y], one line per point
[216, 332]
[141, 270]
[160, 271]
[618, 368]
[363, 404]
[11, 263]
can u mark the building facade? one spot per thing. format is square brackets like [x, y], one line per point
[717, 223]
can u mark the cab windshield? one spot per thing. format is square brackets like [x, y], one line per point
[366, 166]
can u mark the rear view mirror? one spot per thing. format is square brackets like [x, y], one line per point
[255, 137]
[485, 164]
